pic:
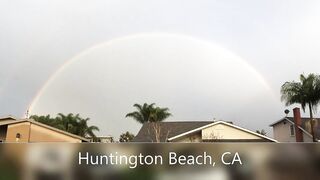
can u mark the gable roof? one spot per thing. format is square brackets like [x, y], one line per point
[225, 123]
[305, 126]
[169, 129]
[174, 130]
[9, 122]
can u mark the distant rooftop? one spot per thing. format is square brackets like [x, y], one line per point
[305, 124]
[169, 129]
[9, 117]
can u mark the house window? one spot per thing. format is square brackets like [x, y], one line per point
[292, 130]
[18, 136]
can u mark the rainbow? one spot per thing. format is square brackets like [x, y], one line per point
[70, 61]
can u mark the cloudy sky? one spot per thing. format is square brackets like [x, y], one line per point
[203, 59]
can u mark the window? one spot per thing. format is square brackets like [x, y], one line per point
[18, 136]
[292, 130]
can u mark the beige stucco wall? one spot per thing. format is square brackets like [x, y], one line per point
[34, 133]
[221, 131]
[41, 134]
[281, 132]
[196, 137]
[22, 128]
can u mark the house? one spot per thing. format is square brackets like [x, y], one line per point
[295, 129]
[28, 130]
[197, 131]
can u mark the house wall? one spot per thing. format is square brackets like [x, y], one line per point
[35, 133]
[41, 134]
[196, 137]
[281, 132]
[307, 138]
[14, 129]
[221, 131]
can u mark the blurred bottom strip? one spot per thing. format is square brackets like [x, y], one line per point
[225, 161]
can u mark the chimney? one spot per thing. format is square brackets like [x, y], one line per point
[297, 122]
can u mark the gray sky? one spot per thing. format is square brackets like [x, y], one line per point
[195, 57]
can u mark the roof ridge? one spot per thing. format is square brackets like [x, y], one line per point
[185, 122]
[8, 117]
[303, 117]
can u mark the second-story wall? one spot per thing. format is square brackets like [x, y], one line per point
[20, 128]
[30, 132]
[281, 132]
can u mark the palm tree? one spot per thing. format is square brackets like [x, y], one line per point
[159, 114]
[306, 92]
[66, 121]
[44, 119]
[70, 123]
[76, 125]
[149, 113]
[82, 128]
[143, 112]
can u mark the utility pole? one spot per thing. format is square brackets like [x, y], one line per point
[27, 114]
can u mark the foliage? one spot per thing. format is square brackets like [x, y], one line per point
[306, 92]
[126, 137]
[262, 132]
[70, 123]
[149, 113]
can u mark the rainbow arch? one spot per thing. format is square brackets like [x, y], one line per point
[73, 59]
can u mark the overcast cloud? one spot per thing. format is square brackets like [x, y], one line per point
[280, 39]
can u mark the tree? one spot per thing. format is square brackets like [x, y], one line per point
[44, 120]
[262, 132]
[143, 112]
[126, 137]
[149, 113]
[306, 93]
[83, 129]
[70, 123]
[159, 114]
